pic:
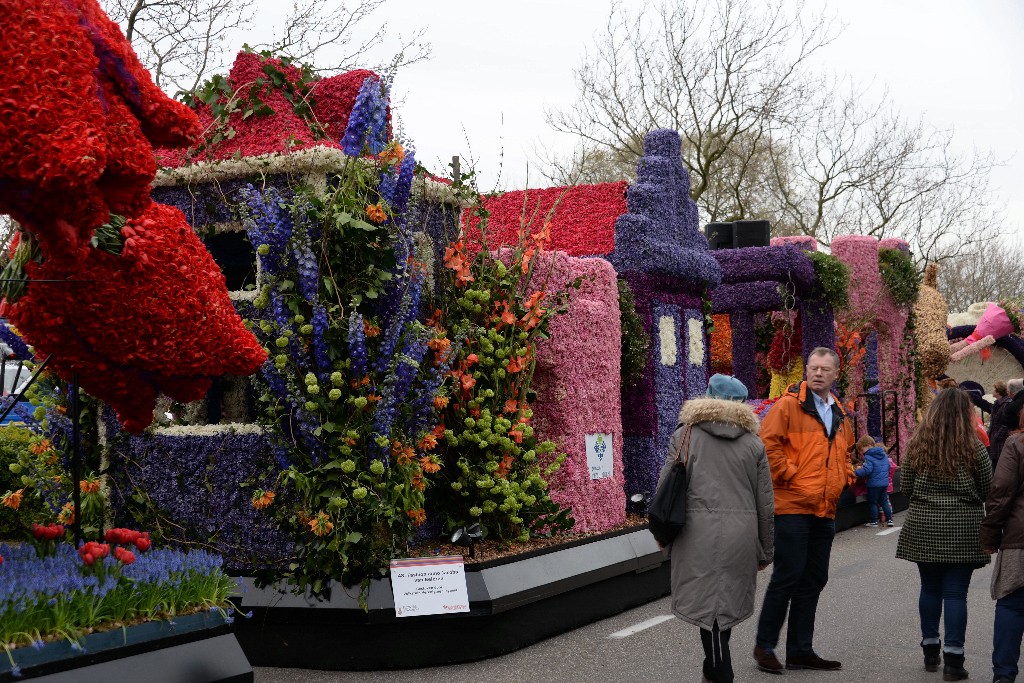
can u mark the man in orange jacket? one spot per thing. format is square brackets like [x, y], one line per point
[807, 437]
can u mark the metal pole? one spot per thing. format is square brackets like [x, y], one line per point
[76, 459]
[24, 390]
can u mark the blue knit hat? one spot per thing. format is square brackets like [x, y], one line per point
[726, 388]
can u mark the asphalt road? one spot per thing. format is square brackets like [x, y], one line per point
[867, 618]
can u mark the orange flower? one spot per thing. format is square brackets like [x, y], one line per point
[516, 434]
[376, 213]
[439, 345]
[438, 431]
[417, 482]
[89, 486]
[67, 514]
[428, 442]
[12, 499]
[474, 412]
[369, 329]
[262, 499]
[440, 402]
[373, 398]
[511, 405]
[428, 465]
[393, 152]
[467, 383]
[516, 364]
[527, 257]
[505, 313]
[542, 238]
[40, 448]
[321, 524]
[418, 516]
[505, 466]
[455, 259]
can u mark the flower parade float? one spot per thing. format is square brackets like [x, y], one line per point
[984, 345]
[414, 387]
[116, 294]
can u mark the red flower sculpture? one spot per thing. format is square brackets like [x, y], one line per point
[78, 116]
[157, 319]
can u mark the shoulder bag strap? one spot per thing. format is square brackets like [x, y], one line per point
[683, 454]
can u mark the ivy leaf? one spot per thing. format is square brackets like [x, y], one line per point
[354, 537]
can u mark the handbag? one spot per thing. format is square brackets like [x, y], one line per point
[667, 514]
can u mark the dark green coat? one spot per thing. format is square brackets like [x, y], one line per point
[945, 514]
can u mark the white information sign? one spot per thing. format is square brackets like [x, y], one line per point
[429, 585]
[599, 455]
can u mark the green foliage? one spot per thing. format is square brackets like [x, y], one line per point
[635, 340]
[899, 275]
[355, 487]
[250, 99]
[14, 445]
[833, 278]
[495, 467]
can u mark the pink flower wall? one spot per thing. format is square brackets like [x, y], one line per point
[577, 382]
[871, 308]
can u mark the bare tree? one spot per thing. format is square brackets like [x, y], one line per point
[990, 272]
[859, 167]
[313, 26]
[183, 42]
[721, 73]
[764, 136]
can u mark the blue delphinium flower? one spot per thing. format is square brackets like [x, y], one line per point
[360, 119]
[357, 345]
[403, 188]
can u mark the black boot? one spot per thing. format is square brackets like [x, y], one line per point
[931, 656]
[953, 667]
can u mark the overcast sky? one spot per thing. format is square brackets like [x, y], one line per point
[496, 66]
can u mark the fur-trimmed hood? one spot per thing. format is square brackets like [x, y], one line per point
[737, 418]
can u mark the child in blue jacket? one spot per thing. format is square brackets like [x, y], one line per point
[875, 472]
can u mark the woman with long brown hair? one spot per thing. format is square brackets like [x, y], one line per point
[947, 474]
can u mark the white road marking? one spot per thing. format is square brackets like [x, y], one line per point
[643, 625]
[889, 531]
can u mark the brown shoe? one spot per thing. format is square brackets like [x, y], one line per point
[812, 662]
[767, 661]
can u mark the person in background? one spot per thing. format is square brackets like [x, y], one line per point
[875, 471]
[808, 439]
[1005, 420]
[946, 475]
[1002, 530]
[729, 531]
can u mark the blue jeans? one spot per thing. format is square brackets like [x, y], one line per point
[803, 544]
[1009, 628]
[878, 495]
[944, 594]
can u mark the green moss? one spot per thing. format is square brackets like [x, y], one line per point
[899, 275]
[635, 340]
[833, 278]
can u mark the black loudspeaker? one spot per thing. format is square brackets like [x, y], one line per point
[720, 235]
[752, 234]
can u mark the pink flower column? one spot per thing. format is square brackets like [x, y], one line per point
[871, 307]
[577, 381]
